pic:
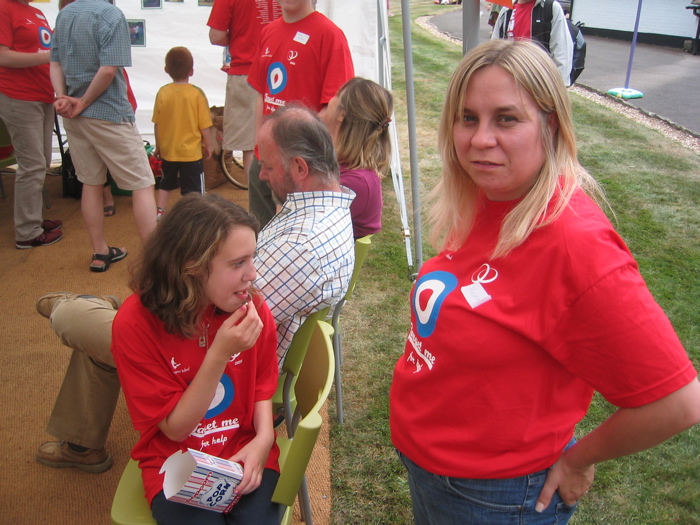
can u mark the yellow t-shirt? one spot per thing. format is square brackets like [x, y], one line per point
[181, 111]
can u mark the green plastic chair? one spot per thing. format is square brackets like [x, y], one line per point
[129, 506]
[284, 398]
[315, 378]
[311, 389]
[6, 140]
[362, 246]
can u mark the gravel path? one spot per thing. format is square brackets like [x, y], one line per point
[671, 130]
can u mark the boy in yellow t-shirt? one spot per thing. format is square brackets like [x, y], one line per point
[182, 121]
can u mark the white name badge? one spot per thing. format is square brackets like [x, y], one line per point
[302, 38]
[475, 294]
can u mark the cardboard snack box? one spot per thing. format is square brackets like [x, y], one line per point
[201, 480]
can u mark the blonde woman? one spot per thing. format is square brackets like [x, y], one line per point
[358, 118]
[533, 303]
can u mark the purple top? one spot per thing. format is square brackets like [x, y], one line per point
[366, 209]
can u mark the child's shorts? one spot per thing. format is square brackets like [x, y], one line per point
[191, 176]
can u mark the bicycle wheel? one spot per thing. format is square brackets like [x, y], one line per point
[232, 166]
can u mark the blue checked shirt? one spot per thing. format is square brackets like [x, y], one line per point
[305, 258]
[90, 34]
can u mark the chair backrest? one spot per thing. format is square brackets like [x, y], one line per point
[312, 389]
[362, 246]
[300, 342]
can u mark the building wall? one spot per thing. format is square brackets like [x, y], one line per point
[660, 17]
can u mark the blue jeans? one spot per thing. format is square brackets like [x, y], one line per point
[439, 500]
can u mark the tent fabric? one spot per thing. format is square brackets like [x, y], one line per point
[184, 23]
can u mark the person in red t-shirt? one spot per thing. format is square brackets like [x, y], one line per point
[533, 303]
[237, 24]
[26, 108]
[518, 24]
[302, 57]
[195, 349]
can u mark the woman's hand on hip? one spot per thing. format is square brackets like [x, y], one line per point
[572, 483]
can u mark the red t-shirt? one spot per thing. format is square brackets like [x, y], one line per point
[503, 355]
[129, 92]
[521, 18]
[244, 20]
[306, 62]
[155, 369]
[24, 28]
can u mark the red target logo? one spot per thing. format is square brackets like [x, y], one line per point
[45, 37]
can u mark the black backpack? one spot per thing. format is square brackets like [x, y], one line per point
[542, 28]
[72, 187]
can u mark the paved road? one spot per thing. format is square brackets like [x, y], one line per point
[668, 77]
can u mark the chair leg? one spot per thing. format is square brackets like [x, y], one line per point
[305, 503]
[338, 353]
[2, 189]
[47, 204]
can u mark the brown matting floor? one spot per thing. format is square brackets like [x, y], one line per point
[33, 361]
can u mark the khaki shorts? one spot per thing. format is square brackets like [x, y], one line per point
[239, 114]
[99, 145]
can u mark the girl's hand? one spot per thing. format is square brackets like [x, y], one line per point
[239, 332]
[253, 457]
[570, 481]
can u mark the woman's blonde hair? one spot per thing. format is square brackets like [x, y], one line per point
[455, 195]
[171, 274]
[363, 138]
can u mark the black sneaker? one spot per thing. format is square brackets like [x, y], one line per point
[44, 239]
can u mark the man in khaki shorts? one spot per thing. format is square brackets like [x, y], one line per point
[236, 24]
[86, 72]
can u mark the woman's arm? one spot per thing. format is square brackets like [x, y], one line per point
[18, 60]
[254, 455]
[627, 431]
[233, 337]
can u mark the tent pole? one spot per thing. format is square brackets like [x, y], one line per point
[471, 15]
[634, 43]
[412, 142]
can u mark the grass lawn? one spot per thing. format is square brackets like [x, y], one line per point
[653, 185]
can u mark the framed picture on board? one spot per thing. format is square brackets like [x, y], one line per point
[137, 32]
[174, 0]
[151, 4]
[205, 3]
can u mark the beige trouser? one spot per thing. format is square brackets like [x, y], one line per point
[88, 397]
[30, 125]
